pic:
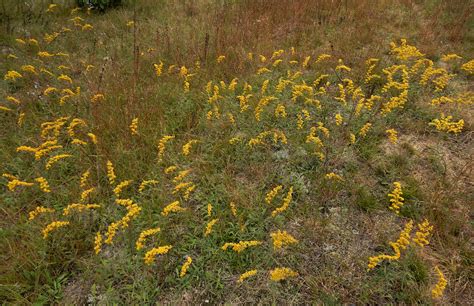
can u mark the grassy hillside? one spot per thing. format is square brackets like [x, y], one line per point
[237, 152]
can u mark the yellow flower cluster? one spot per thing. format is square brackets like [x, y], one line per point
[468, 67]
[54, 159]
[281, 239]
[444, 124]
[132, 211]
[172, 207]
[185, 266]
[438, 290]
[140, 244]
[162, 146]
[134, 126]
[396, 199]
[146, 183]
[39, 210]
[402, 243]
[187, 147]
[392, 135]
[119, 188]
[422, 234]
[404, 51]
[111, 172]
[151, 254]
[79, 207]
[246, 275]
[43, 184]
[279, 274]
[53, 226]
[209, 226]
[334, 176]
[98, 243]
[272, 193]
[285, 204]
[240, 246]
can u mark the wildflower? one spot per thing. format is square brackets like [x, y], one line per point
[92, 137]
[263, 70]
[87, 27]
[49, 90]
[118, 189]
[341, 66]
[5, 109]
[162, 146]
[13, 100]
[170, 169]
[187, 147]
[272, 193]
[79, 207]
[158, 68]
[146, 183]
[445, 124]
[51, 8]
[111, 172]
[404, 51]
[140, 244]
[396, 198]
[33, 41]
[21, 119]
[246, 275]
[220, 59]
[181, 175]
[263, 59]
[29, 68]
[39, 210]
[438, 290]
[209, 226]
[468, 67]
[45, 54]
[233, 209]
[352, 138]
[53, 226]
[54, 159]
[449, 57]
[97, 243]
[286, 203]
[322, 57]
[280, 274]
[333, 176]
[240, 246]
[97, 97]
[134, 126]
[85, 194]
[44, 186]
[402, 243]
[173, 207]
[64, 77]
[185, 266]
[13, 56]
[209, 209]
[130, 23]
[363, 131]
[12, 75]
[183, 71]
[235, 140]
[421, 235]
[338, 119]
[281, 239]
[151, 254]
[277, 62]
[280, 111]
[20, 41]
[392, 135]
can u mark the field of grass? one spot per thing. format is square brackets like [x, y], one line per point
[251, 151]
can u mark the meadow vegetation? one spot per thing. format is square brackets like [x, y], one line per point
[237, 152]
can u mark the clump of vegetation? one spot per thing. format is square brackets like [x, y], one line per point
[148, 164]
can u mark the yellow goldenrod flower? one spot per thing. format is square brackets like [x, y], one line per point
[280, 111]
[33, 41]
[97, 243]
[85, 194]
[49, 90]
[404, 51]
[84, 178]
[170, 169]
[468, 67]
[396, 199]
[187, 147]
[45, 54]
[263, 70]
[220, 59]
[151, 254]
[29, 68]
[338, 118]
[286, 203]
[39, 210]
[21, 119]
[444, 124]
[209, 226]
[79, 208]
[363, 131]
[43, 183]
[20, 41]
[209, 209]
[5, 109]
[134, 126]
[272, 193]
[181, 175]
[140, 244]
[233, 209]
[97, 98]
[392, 135]
[13, 100]
[246, 275]
[322, 57]
[12, 75]
[53, 226]
[87, 27]
[438, 290]
[280, 274]
[402, 243]
[185, 267]
[158, 68]
[111, 172]
[64, 77]
[241, 246]
[162, 146]
[281, 239]
[92, 137]
[172, 207]
[130, 23]
[51, 8]
[146, 183]
[341, 66]
[118, 189]
[54, 159]
[333, 176]
[422, 234]
[449, 57]
[306, 61]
